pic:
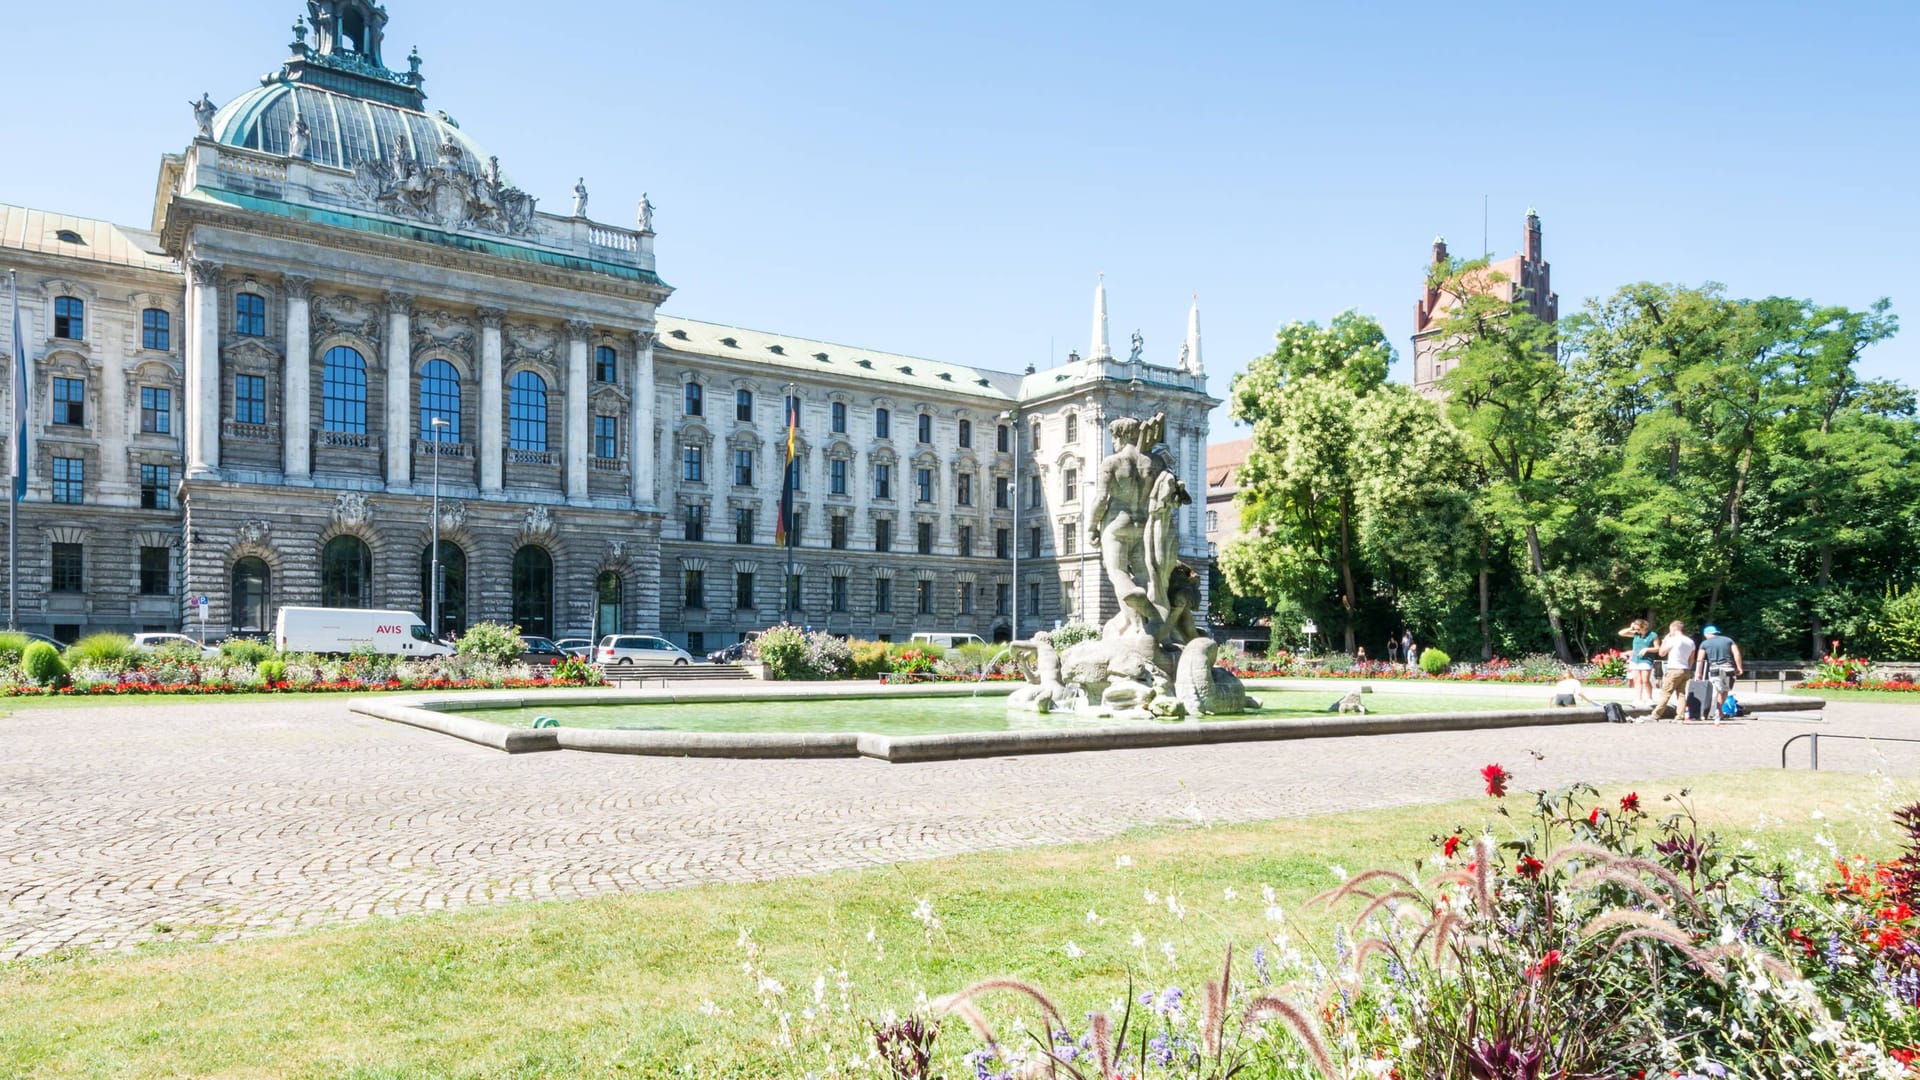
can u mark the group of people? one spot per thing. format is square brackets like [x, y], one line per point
[1715, 658]
[1402, 649]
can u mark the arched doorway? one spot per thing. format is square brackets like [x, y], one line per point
[252, 596]
[453, 587]
[607, 589]
[533, 591]
[346, 573]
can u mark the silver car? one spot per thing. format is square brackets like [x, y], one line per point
[629, 649]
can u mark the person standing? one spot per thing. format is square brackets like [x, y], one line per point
[1720, 663]
[1393, 649]
[1640, 652]
[1677, 650]
[1406, 647]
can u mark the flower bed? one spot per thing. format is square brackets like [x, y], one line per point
[340, 686]
[1897, 685]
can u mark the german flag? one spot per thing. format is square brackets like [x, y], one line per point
[783, 525]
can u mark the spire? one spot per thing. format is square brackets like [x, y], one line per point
[1100, 350]
[1192, 351]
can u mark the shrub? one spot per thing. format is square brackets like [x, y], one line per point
[1611, 664]
[1434, 662]
[973, 658]
[829, 657]
[1842, 669]
[41, 662]
[244, 651]
[1072, 634]
[785, 650]
[269, 671]
[1533, 665]
[11, 645]
[911, 660]
[109, 652]
[576, 672]
[869, 659]
[179, 653]
[1898, 625]
[493, 642]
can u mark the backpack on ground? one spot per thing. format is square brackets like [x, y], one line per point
[1731, 707]
[1614, 713]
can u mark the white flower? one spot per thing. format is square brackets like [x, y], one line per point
[1827, 1031]
[1175, 907]
[1074, 952]
[1139, 940]
[1274, 914]
[1231, 895]
[1377, 1068]
[1093, 918]
[1121, 862]
[1817, 816]
[819, 989]
[1152, 898]
[772, 988]
[1339, 872]
[1266, 893]
[1166, 950]
[708, 1008]
[923, 911]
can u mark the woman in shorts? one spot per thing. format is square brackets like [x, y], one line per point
[1640, 653]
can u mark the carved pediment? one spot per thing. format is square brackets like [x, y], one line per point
[344, 313]
[442, 329]
[350, 509]
[445, 195]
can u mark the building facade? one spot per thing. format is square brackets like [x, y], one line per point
[1524, 276]
[343, 308]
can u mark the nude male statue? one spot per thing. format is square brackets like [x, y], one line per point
[1118, 527]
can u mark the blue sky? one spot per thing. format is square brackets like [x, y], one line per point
[946, 180]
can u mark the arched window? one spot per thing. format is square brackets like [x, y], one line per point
[527, 413]
[249, 314]
[156, 330]
[453, 586]
[607, 589]
[346, 573]
[695, 405]
[252, 590]
[439, 398]
[606, 364]
[343, 390]
[533, 591]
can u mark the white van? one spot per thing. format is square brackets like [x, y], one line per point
[342, 630]
[947, 641]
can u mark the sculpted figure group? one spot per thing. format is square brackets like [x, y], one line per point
[1151, 656]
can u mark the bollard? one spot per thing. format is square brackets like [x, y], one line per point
[1815, 741]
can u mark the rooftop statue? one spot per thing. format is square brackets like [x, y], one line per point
[580, 198]
[203, 111]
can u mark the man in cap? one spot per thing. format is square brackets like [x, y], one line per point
[1720, 662]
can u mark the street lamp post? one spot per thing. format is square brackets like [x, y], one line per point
[438, 424]
[1012, 417]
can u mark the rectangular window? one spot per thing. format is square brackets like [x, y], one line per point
[70, 402]
[250, 314]
[882, 424]
[1003, 441]
[696, 588]
[606, 364]
[69, 568]
[743, 525]
[743, 590]
[1033, 599]
[799, 526]
[923, 537]
[694, 522]
[1002, 544]
[156, 410]
[696, 642]
[882, 595]
[606, 437]
[743, 406]
[838, 416]
[1002, 596]
[70, 318]
[966, 541]
[882, 535]
[923, 485]
[156, 330]
[1067, 595]
[69, 480]
[837, 476]
[923, 597]
[1033, 490]
[743, 468]
[793, 593]
[1035, 441]
[1068, 540]
[966, 598]
[966, 434]
[883, 481]
[156, 487]
[925, 428]
[694, 404]
[1073, 427]
[838, 537]
[692, 465]
[1213, 521]
[837, 596]
[963, 489]
[1070, 484]
[1033, 542]
[156, 571]
[250, 399]
[1001, 497]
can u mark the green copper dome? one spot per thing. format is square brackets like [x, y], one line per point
[342, 130]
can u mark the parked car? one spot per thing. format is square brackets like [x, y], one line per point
[539, 652]
[165, 641]
[630, 649]
[342, 630]
[947, 641]
[576, 646]
[732, 654]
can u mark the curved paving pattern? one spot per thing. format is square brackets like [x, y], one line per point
[126, 824]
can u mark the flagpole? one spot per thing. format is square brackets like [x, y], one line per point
[787, 477]
[16, 427]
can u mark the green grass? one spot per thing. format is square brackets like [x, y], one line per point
[616, 986]
[1901, 697]
[930, 716]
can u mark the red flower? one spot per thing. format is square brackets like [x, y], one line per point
[1496, 778]
[1529, 867]
[1905, 1055]
[1630, 802]
[1593, 816]
[1450, 845]
[1799, 937]
[1547, 963]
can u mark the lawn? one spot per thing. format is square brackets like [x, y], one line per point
[10, 705]
[652, 984]
[1902, 697]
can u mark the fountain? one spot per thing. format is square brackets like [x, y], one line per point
[1150, 660]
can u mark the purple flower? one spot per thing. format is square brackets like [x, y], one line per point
[1260, 964]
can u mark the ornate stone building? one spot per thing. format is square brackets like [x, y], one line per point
[342, 295]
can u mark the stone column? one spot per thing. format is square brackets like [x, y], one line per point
[296, 403]
[861, 468]
[577, 389]
[399, 433]
[203, 367]
[640, 454]
[491, 447]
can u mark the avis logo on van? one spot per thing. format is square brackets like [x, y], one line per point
[389, 629]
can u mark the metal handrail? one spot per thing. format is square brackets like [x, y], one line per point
[1816, 736]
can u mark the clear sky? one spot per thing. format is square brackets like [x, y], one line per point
[946, 180]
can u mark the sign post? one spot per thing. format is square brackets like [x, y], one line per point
[1309, 629]
[200, 602]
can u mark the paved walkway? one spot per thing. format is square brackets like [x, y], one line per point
[131, 823]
